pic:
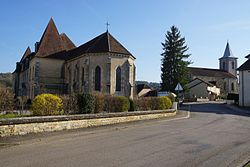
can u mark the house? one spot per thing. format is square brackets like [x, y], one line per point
[244, 79]
[57, 66]
[224, 78]
[200, 89]
[143, 90]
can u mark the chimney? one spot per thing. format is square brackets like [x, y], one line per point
[36, 46]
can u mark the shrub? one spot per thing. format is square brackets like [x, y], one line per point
[47, 104]
[6, 99]
[132, 105]
[116, 104]
[99, 102]
[69, 104]
[153, 103]
[86, 103]
[143, 103]
[164, 103]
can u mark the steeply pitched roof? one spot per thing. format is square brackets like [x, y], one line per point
[245, 66]
[100, 44]
[67, 43]
[51, 42]
[228, 52]
[26, 53]
[209, 72]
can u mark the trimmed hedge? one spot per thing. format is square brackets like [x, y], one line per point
[132, 105]
[116, 104]
[86, 103]
[69, 104]
[47, 104]
[153, 103]
[99, 102]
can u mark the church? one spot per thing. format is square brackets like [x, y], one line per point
[57, 66]
[212, 83]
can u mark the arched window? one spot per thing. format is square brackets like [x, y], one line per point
[118, 79]
[83, 79]
[224, 66]
[232, 86]
[233, 65]
[98, 78]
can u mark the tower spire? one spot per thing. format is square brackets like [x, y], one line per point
[228, 51]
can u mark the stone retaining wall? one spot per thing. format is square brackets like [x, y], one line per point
[22, 126]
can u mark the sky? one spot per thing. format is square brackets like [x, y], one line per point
[140, 25]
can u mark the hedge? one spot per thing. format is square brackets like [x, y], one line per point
[86, 103]
[153, 103]
[116, 104]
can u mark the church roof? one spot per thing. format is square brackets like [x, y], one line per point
[67, 43]
[228, 52]
[52, 42]
[26, 53]
[245, 66]
[100, 44]
[209, 72]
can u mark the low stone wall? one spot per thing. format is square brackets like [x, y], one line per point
[22, 126]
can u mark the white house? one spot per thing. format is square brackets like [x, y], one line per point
[201, 89]
[244, 78]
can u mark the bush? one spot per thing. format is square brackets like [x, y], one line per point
[153, 103]
[6, 99]
[47, 104]
[99, 102]
[116, 104]
[86, 103]
[132, 105]
[69, 104]
[143, 104]
[164, 103]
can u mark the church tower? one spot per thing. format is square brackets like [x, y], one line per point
[228, 62]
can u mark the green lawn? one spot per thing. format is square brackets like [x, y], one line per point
[10, 116]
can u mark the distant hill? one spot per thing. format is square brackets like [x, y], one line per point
[6, 80]
[154, 85]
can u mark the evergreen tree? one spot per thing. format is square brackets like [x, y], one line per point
[174, 64]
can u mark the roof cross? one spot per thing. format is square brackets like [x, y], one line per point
[107, 24]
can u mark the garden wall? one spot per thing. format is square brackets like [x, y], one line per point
[22, 126]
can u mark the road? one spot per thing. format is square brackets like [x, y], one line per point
[214, 135]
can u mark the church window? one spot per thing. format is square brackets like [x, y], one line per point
[83, 79]
[225, 85]
[118, 79]
[98, 78]
[224, 66]
[233, 65]
[232, 86]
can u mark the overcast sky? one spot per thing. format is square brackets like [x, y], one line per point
[140, 25]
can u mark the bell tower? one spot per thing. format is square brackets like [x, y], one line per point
[228, 62]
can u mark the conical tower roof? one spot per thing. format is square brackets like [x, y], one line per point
[50, 41]
[228, 51]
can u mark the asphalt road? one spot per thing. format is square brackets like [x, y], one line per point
[214, 136]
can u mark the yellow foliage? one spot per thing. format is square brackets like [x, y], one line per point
[47, 104]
